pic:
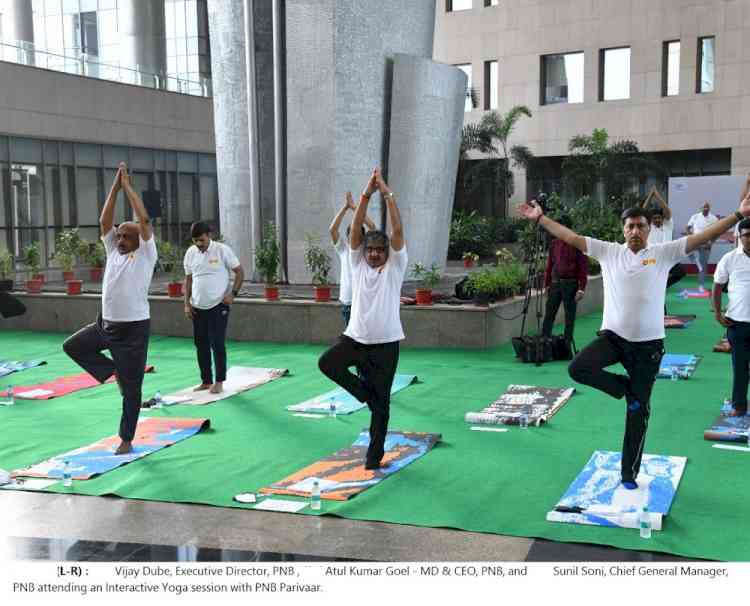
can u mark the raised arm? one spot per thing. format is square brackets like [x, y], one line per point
[533, 212]
[397, 230]
[144, 222]
[107, 218]
[697, 240]
[336, 223]
[662, 204]
[355, 237]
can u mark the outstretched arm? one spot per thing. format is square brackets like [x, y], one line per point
[397, 230]
[662, 204]
[533, 212]
[144, 222]
[355, 239]
[107, 218]
[697, 240]
[336, 223]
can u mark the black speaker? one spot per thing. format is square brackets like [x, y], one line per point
[152, 202]
[10, 306]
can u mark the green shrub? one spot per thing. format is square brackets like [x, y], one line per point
[267, 255]
[470, 231]
[317, 261]
[429, 278]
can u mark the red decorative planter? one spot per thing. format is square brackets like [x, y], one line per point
[468, 262]
[39, 277]
[271, 293]
[424, 296]
[322, 294]
[74, 287]
[68, 276]
[174, 289]
[96, 274]
[34, 286]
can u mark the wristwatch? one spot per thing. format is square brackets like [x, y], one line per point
[235, 293]
[739, 215]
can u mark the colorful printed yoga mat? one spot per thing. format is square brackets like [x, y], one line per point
[538, 403]
[239, 379]
[695, 294]
[723, 346]
[152, 434]
[342, 475]
[683, 365]
[597, 497]
[61, 386]
[726, 428]
[10, 366]
[678, 321]
[344, 402]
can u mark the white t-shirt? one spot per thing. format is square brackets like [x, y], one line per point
[700, 223]
[210, 271]
[660, 235]
[634, 286]
[345, 281]
[734, 267]
[126, 280]
[376, 298]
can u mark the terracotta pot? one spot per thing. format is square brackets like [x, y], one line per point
[96, 274]
[39, 277]
[322, 294]
[68, 276]
[34, 286]
[271, 293]
[424, 296]
[74, 287]
[468, 262]
[174, 289]
[6, 285]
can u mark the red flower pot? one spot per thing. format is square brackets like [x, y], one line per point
[468, 262]
[174, 289]
[96, 274]
[424, 296]
[322, 294]
[34, 286]
[74, 287]
[39, 277]
[68, 276]
[271, 293]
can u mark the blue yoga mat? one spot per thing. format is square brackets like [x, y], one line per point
[344, 402]
[10, 366]
[683, 364]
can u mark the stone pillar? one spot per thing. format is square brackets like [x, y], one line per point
[19, 21]
[143, 35]
[339, 69]
[427, 114]
[227, 34]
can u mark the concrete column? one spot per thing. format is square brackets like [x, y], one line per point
[226, 24]
[143, 35]
[427, 114]
[18, 26]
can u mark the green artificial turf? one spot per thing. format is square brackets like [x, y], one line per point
[481, 481]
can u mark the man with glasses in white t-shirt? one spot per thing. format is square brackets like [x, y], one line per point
[632, 333]
[123, 327]
[371, 339]
[698, 223]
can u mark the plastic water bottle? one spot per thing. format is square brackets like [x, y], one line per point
[674, 373]
[315, 495]
[523, 420]
[332, 408]
[67, 475]
[644, 523]
[11, 396]
[158, 402]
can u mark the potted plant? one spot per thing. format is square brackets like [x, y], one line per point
[470, 259]
[7, 271]
[429, 278]
[485, 285]
[267, 261]
[319, 265]
[170, 258]
[67, 248]
[33, 260]
[94, 254]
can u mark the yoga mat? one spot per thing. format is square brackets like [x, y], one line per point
[539, 403]
[152, 434]
[10, 366]
[597, 496]
[345, 402]
[726, 428]
[723, 346]
[342, 475]
[61, 386]
[694, 294]
[239, 379]
[683, 364]
[678, 321]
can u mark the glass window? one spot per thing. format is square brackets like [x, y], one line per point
[207, 163]
[27, 206]
[26, 150]
[186, 196]
[88, 6]
[53, 7]
[108, 28]
[706, 64]
[87, 196]
[107, 4]
[490, 85]
[614, 74]
[562, 78]
[466, 68]
[88, 154]
[188, 163]
[671, 69]
[452, 6]
[114, 154]
[54, 32]
[209, 199]
[70, 7]
[141, 159]
[491, 2]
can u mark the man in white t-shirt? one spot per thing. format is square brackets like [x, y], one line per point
[342, 250]
[662, 230]
[734, 269]
[632, 332]
[698, 223]
[209, 294]
[123, 327]
[371, 339]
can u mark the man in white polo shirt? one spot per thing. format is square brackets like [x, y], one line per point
[734, 269]
[123, 327]
[662, 230]
[342, 250]
[208, 297]
[632, 332]
[698, 223]
[371, 339]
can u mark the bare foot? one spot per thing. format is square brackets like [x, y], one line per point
[217, 387]
[202, 387]
[125, 447]
[736, 413]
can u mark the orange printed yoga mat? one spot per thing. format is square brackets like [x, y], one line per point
[342, 475]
